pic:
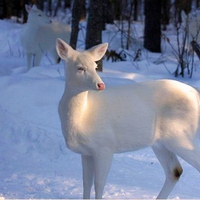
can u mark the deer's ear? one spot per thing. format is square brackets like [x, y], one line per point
[28, 8]
[63, 49]
[98, 51]
[34, 7]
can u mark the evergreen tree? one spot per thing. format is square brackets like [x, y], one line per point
[94, 26]
[152, 31]
[78, 11]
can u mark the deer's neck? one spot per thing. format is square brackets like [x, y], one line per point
[32, 28]
[73, 107]
[78, 104]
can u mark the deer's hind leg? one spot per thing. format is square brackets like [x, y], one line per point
[37, 59]
[29, 60]
[190, 151]
[171, 166]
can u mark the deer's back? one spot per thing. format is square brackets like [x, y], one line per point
[134, 116]
[48, 34]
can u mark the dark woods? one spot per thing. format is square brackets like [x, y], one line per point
[156, 15]
[100, 12]
[16, 8]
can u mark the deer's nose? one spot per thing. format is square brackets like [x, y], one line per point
[100, 86]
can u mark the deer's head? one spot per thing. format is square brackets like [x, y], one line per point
[81, 67]
[36, 16]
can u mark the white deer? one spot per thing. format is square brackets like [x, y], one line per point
[38, 36]
[98, 123]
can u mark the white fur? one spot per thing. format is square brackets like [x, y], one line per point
[98, 123]
[38, 36]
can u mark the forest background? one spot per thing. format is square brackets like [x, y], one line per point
[35, 162]
[155, 14]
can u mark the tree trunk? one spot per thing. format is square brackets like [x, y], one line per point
[2, 9]
[197, 3]
[129, 19]
[58, 4]
[196, 48]
[152, 31]
[135, 15]
[165, 13]
[108, 13]
[117, 7]
[24, 12]
[77, 13]
[40, 4]
[94, 26]
[50, 7]
[8, 8]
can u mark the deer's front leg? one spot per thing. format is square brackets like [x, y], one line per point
[102, 163]
[29, 59]
[88, 175]
[38, 58]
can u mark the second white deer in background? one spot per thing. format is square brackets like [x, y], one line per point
[38, 36]
[98, 122]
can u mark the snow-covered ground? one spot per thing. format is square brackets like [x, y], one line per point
[34, 162]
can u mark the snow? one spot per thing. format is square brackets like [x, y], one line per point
[34, 161]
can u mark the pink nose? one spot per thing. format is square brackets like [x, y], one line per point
[101, 86]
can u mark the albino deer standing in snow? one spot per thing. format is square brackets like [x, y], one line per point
[38, 36]
[98, 123]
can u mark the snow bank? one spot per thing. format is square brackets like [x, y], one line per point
[34, 162]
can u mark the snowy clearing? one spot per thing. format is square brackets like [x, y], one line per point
[34, 162]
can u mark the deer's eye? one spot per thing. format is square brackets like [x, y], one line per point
[81, 69]
[39, 15]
